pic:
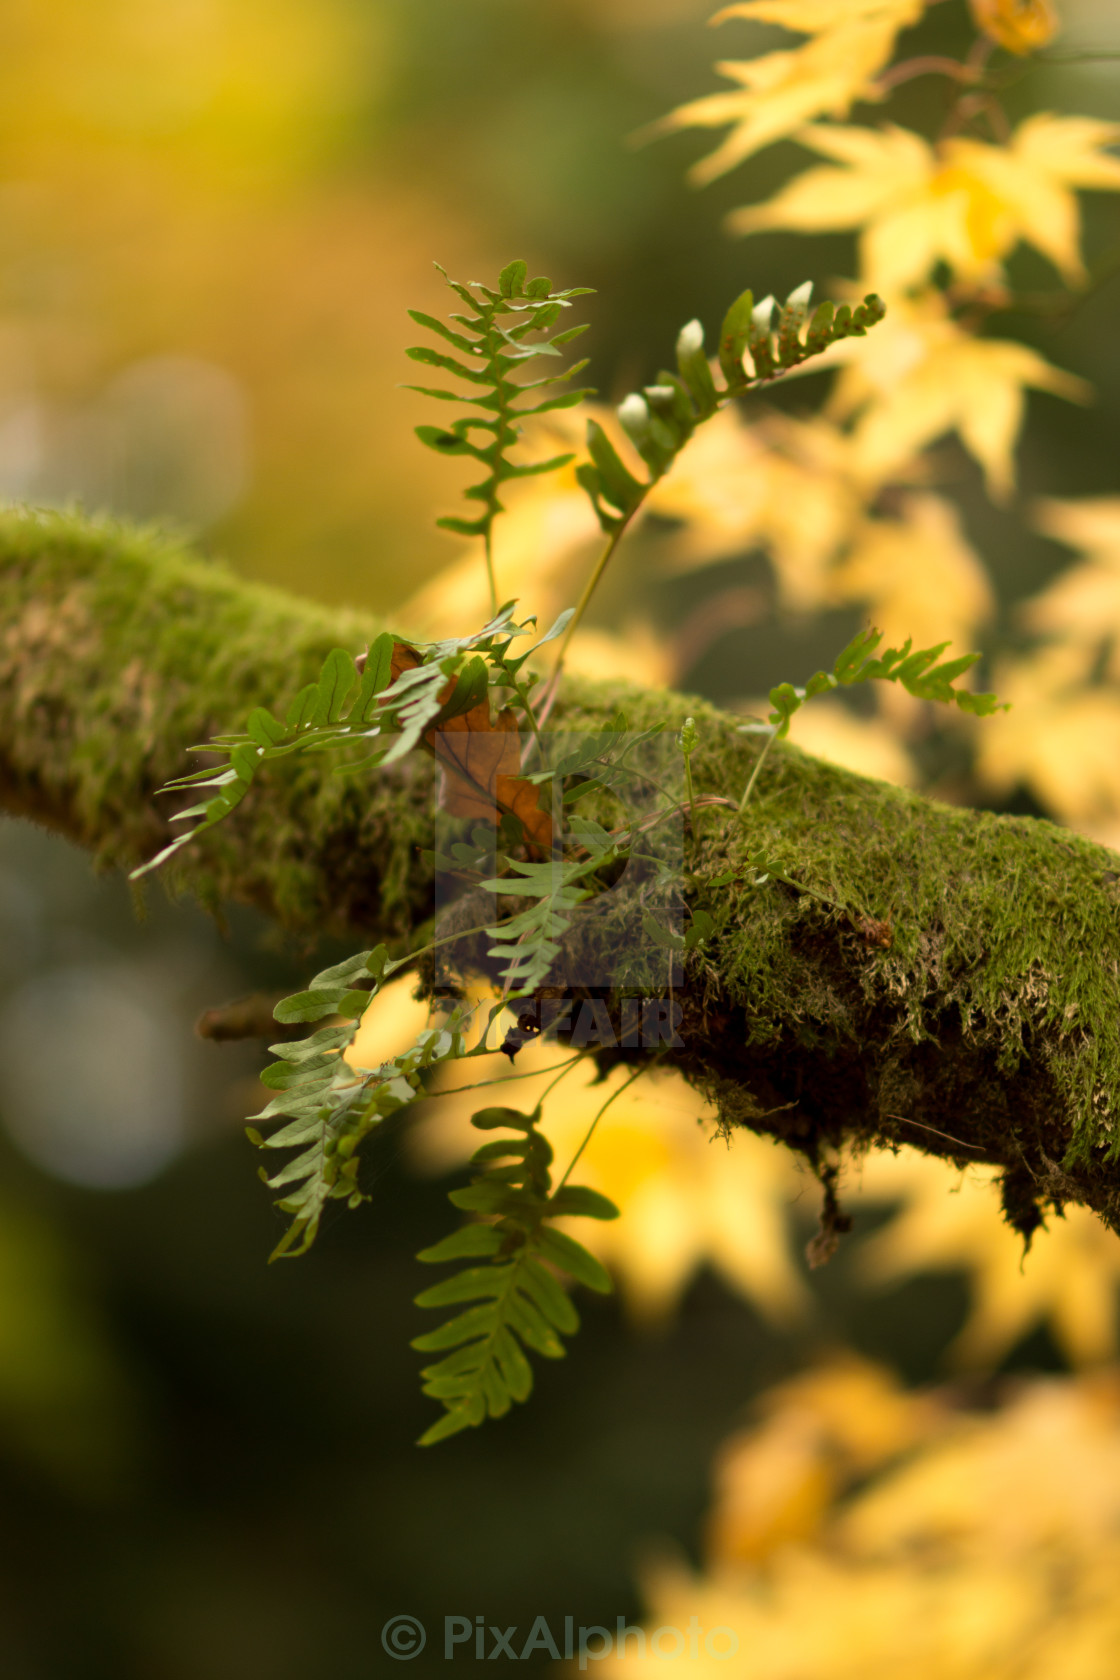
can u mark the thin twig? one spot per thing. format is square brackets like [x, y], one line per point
[906, 1121]
[929, 64]
[490, 578]
[965, 106]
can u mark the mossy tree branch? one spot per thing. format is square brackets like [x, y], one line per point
[119, 650]
[988, 1029]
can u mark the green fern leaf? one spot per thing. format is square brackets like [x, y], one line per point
[661, 418]
[521, 1303]
[505, 330]
[919, 673]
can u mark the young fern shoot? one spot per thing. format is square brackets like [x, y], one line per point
[660, 419]
[919, 673]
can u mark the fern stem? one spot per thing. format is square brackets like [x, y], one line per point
[504, 1078]
[582, 604]
[567, 1068]
[448, 939]
[488, 550]
[594, 1123]
[522, 692]
[759, 762]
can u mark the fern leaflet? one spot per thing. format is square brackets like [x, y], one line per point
[330, 1107]
[497, 349]
[521, 1305]
[919, 673]
[403, 690]
[660, 419]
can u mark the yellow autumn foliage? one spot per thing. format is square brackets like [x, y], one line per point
[950, 1221]
[920, 574]
[1083, 602]
[861, 1533]
[788, 486]
[920, 374]
[965, 202]
[1020, 26]
[777, 93]
[1061, 738]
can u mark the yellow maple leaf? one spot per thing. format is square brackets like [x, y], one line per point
[1082, 605]
[779, 92]
[881, 171]
[920, 375]
[987, 1552]
[1045, 1469]
[1091, 524]
[1019, 26]
[775, 1481]
[963, 202]
[1021, 191]
[1061, 739]
[687, 1199]
[813, 1615]
[917, 574]
[786, 485]
[1067, 1281]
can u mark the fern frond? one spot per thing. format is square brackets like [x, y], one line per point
[497, 348]
[919, 673]
[531, 939]
[330, 1108]
[660, 419]
[345, 708]
[521, 1305]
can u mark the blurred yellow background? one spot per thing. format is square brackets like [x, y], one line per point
[214, 215]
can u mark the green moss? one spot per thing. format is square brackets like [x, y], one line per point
[1002, 963]
[119, 650]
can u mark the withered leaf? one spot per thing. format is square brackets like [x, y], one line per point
[482, 762]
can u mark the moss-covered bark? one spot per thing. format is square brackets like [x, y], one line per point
[987, 1029]
[118, 651]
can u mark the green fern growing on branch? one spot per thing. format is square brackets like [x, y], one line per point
[496, 350]
[661, 418]
[396, 698]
